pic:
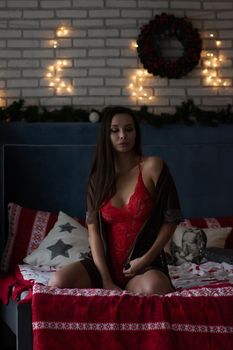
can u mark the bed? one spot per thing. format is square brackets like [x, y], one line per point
[44, 169]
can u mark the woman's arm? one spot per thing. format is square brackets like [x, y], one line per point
[165, 233]
[98, 255]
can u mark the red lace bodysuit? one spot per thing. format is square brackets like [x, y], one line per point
[123, 224]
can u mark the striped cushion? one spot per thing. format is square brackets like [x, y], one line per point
[26, 229]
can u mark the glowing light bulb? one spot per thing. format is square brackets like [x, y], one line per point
[134, 45]
[62, 31]
[69, 89]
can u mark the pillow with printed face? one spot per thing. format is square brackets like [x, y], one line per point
[67, 242]
[27, 228]
[188, 243]
[213, 222]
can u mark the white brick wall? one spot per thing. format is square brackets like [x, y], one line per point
[101, 60]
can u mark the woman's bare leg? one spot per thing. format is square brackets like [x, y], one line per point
[72, 275]
[151, 282]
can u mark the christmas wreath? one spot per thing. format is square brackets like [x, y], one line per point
[163, 27]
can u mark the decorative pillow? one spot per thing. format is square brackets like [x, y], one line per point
[219, 255]
[66, 242]
[189, 243]
[213, 222]
[26, 229]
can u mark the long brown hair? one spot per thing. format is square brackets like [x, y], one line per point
[102, 176]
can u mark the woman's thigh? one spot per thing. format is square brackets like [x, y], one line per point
[80, 274]
[150, 282]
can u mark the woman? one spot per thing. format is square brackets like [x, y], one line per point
[132, 211]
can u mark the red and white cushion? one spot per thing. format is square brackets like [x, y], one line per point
[26, 229]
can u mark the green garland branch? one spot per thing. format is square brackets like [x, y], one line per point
[18, 112]
[187, 113]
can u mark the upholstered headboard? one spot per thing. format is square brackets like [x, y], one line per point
[48, 171]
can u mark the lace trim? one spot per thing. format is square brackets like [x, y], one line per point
[91, 217]
[172, 215]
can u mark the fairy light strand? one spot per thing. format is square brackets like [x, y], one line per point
[55, 71]
[212, 62]
[137, 83]
[137, 86]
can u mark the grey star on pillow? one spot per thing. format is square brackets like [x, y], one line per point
[67, 227]
[83, 255]
[59, 248]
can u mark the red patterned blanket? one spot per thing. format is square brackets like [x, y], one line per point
[197, 318]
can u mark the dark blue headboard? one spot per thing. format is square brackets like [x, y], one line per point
[48, 169]
[50, 177]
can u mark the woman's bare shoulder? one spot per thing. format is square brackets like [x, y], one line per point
[152, 167]
[153, 163]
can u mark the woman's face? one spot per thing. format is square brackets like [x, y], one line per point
[122, 133]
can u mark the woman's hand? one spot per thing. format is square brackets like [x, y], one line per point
[135, 266]
[111, 285]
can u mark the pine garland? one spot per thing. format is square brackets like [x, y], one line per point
[18, 112]
[187, 113]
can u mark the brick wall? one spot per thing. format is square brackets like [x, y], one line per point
[100, 60]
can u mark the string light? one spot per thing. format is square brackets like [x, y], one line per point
[134, 45]
[55, 71]
[212, 62]
[55, 44]
[62, 31]
[54, 76]
[137, 79]
[136, 85]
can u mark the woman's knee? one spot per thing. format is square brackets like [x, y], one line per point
[71, 276]
[159, 288]
[57, 280]
[152, 288]
[152, 282]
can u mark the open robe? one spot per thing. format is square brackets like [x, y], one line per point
[166, 209]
